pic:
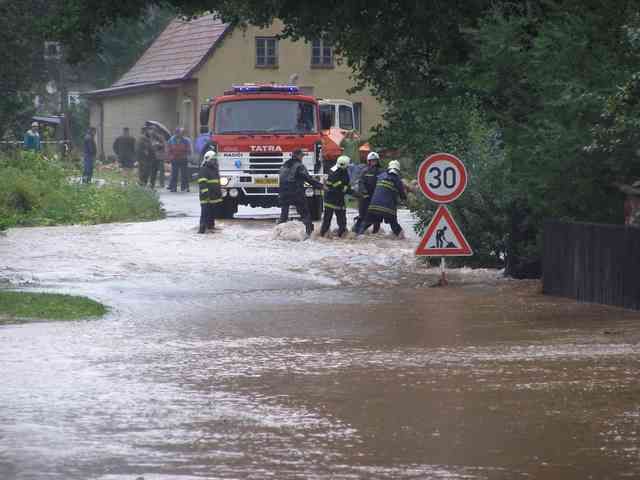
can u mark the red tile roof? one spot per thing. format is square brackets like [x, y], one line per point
[177, 52]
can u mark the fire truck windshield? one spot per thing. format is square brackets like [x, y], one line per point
[265, 116]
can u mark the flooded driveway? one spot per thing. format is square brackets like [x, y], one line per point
[236, 356]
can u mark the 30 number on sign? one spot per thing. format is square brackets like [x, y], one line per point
[439, 177]
[442, 177]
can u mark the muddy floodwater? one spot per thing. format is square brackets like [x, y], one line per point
[236, 356]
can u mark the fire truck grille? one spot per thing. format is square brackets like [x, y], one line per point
[259, 163]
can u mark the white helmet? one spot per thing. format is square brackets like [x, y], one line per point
[209, 156]
[394, 166]
[373, 156]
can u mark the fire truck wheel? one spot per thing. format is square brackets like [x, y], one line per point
[316, 205]
[229, 208]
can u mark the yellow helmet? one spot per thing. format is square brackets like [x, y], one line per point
[343, 161]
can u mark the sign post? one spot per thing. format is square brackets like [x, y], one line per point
[443, 178]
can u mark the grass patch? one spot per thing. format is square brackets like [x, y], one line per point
[35, 190]
[49, 306]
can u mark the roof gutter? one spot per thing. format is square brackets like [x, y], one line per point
[131, 88]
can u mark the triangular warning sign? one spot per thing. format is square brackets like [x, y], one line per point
[443, 237]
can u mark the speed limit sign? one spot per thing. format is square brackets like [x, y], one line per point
[442, 177]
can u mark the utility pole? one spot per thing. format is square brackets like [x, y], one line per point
[53, 52]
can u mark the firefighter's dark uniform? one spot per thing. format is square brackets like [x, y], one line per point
[338, 187]
[384, 202]
[293, 174]
[366, 188]
[210, 194]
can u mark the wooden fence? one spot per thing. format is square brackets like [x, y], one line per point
[592, 263]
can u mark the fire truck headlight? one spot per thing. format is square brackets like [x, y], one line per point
[224, 192]
[224, 181]
[309, 192]
[233, 193]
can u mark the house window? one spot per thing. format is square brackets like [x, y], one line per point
[321, 54]
[345, 115]
[266, 52]
[357, 113]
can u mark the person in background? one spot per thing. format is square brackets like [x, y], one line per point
[202, 143]
[179, 150]
[32, 138]
[338, 187]
[89, 150]
[384, 202]
[210, 192]
[159, 156]
[145, 155]
[293, 174]
[366, 187]
[350, 144]
[125, 149]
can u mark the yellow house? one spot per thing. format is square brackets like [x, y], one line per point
[192, 61]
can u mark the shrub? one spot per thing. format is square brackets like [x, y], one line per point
[35, 190]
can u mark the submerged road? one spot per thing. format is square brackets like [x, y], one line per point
[236, 356]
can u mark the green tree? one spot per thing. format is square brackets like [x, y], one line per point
[22, 63]
[541, 77]
[121, 43]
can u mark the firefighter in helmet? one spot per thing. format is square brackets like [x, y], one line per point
[366, 187]
[293, 175]
[384, 203]
[338, 186]
[210, 192]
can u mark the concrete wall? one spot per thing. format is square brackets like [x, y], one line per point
[188, 107]
[235, 58]
[131, 110]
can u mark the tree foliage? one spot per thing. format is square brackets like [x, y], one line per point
[539, 97]
[22, 63]
[122, 43]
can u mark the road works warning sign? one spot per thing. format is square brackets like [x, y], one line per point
[443, 237]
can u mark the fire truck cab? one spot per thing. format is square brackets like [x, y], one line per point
[336, 120]
[254, 128]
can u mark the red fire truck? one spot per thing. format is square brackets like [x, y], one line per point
[254, 128]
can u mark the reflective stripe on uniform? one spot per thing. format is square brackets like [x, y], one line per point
[204, 190]
[332, 206]
[202, 180]
[214, 181]
[388, 185]
[378, 208]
